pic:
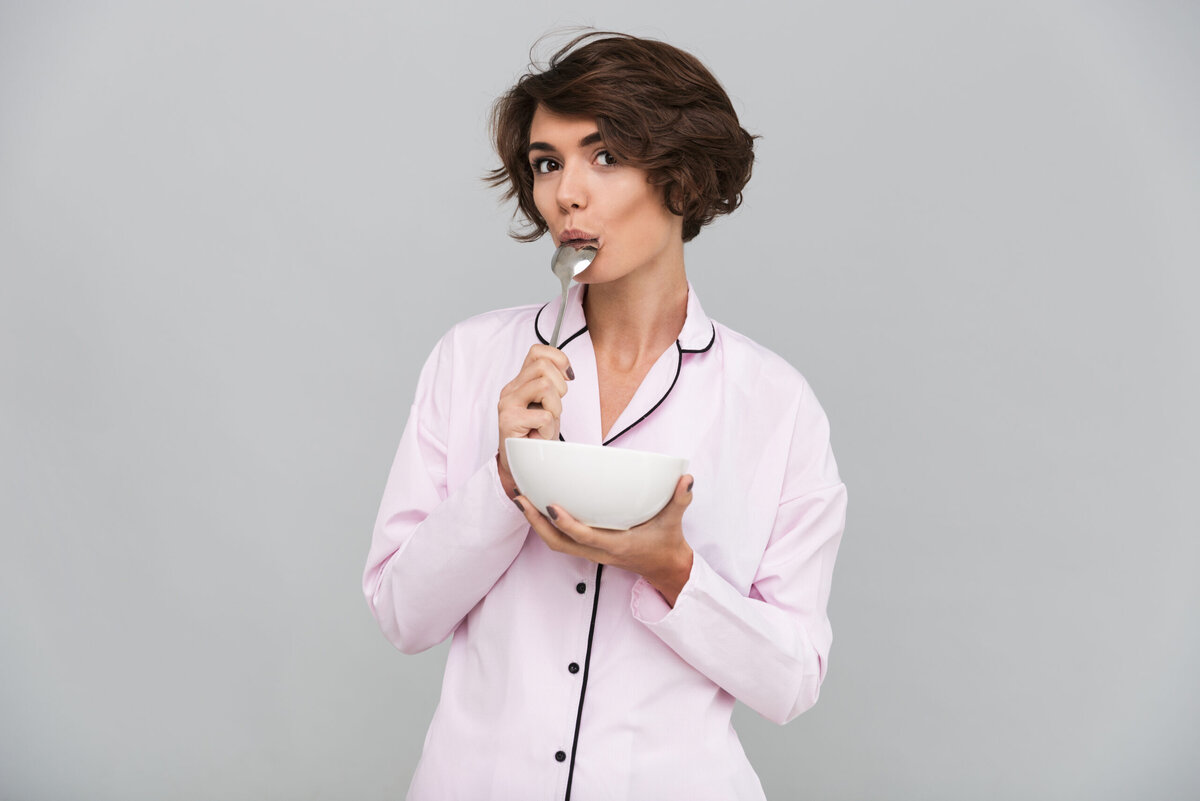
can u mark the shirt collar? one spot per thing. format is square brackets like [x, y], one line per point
[697, 336]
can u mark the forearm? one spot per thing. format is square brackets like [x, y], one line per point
[756, 653]
[673, 573]
[768, 648]
[428, 569]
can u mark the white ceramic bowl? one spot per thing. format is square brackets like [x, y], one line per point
[604, 487]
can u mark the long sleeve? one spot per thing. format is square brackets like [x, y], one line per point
[770, 648]
[436, 550]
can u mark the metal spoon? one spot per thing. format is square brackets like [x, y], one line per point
[567, 263]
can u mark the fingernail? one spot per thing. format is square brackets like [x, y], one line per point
[570, 373]
[691, 484]
[553, 514]
[516, 491]
[519, 506]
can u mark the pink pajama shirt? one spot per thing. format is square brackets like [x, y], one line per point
[565, 679]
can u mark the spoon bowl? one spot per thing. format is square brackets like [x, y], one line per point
[567, 263]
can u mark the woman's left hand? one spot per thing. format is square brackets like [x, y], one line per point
[655, 550]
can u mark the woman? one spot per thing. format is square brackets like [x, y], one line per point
[593, 664]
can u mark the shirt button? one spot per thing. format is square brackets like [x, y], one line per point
[573, 667]
[581, 588]
[561, 756]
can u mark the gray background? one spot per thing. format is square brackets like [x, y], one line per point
[230, 234]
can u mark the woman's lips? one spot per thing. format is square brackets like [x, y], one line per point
[578, 239]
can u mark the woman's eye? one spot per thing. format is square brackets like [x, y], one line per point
[606, 158]
[544, 165]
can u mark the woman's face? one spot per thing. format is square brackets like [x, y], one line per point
[587, 197]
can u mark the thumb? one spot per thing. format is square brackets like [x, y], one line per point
[672, 513]
[683, 493]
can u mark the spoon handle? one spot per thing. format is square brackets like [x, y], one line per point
[562, 307]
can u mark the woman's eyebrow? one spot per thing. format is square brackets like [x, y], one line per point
[590, 139]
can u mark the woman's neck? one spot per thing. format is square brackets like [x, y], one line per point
[631, 321]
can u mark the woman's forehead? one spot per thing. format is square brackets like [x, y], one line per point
[561, 130]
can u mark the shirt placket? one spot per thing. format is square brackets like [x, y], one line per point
[584, 410]
[579, 591]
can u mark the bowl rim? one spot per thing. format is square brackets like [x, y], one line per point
[587, 446]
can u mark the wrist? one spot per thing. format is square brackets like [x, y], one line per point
[506, 478]
[671, 581]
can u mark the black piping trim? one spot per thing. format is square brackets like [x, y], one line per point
[587, 662]
[568, 340]
[706, 347]
[538, 332]
[678, 367]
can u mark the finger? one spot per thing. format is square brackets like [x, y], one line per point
[683, 489]
[523, 422]
[538, 522]
[546, 391]
[555, 538]
[552, 355]
[526, 506]
[599, 540]
[682, 498]
[533, 385]
[548, 430]
[537, 393]
[550, 373]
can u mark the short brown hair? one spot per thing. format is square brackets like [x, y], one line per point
[657, 108]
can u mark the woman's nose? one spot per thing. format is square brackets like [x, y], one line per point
[572, 188]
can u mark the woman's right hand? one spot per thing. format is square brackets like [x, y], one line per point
[531, 404]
